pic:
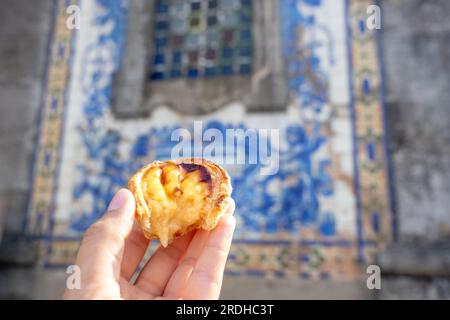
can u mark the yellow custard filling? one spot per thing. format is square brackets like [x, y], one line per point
[177, 196]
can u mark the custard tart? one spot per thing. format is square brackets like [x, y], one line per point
[175, 197]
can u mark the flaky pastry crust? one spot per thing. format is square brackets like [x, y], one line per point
[176, 196]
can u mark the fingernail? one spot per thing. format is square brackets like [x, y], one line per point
[231, 206]
[230, 222]
[117, 201]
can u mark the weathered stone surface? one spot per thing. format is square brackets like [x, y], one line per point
[129, 82]
[414, 288]
[16, 114]
[23, 52]
[257, 288]
[31, 283]
[17, 251]
[15, 161]
[15, 202]
[23, 40]
[416, 53]
[416, 259]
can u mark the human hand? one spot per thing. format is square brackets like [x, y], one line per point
[191, 267]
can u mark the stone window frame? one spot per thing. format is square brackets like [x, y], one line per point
[264, 90]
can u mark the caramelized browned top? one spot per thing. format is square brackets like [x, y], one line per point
[178, 196]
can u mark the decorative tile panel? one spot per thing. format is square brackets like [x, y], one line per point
[201, 38]
[324, 213]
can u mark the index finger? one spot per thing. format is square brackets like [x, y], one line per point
[205, 281]
[101, 249]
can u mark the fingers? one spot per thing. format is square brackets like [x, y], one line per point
[156, 273]
[180, 277]
[178, 281]
[231, 206]
[205, 280]
[102, 248]
[136, 245]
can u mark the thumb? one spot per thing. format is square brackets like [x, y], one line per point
[101, 250]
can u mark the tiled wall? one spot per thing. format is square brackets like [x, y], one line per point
[324, 213]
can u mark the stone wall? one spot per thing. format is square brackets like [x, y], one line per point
[416, 53]
[23, 53]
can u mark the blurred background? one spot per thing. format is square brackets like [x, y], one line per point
[92, 90]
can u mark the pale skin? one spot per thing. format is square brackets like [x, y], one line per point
[191, 267]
